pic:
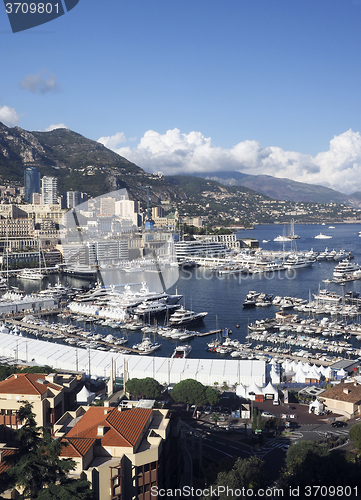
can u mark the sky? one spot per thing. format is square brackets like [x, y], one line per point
[258, 86]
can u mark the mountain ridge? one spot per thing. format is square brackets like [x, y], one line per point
[281, 188]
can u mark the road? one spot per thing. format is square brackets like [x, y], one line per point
[218, 445]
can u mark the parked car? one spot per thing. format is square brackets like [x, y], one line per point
[267, 414]
[338, 423]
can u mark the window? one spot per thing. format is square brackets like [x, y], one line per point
[146, 467]
[153, 465]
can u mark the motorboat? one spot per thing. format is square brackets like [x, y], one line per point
[182, 351]
[146, 346]
[322, 237]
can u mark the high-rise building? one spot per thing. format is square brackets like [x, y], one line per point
[107, 206]
[49, 190]
[73, 198]
[31, 183]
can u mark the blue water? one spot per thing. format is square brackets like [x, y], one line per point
[222, 296]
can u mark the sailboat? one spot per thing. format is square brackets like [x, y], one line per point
[291, 233]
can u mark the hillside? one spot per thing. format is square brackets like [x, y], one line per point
[79, 164]
[283, 189]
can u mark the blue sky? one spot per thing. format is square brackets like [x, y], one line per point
[260, 86]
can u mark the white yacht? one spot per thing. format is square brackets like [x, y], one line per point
[281, 238]
[298, 262]
[345, 267]
[31, 274]
[184, 317]
[328, 297]
[182, 351]
[146, 346]
[150, 307]
[323, 237]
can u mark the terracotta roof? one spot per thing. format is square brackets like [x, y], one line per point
[121, 428]
[5, 452]
[26, 383]
[349, 393]
[77, 447]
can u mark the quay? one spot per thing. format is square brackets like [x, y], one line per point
[211, 332]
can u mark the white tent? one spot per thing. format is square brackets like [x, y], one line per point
[270, 390]
[164, 370]
[316, 406]
[85, 396]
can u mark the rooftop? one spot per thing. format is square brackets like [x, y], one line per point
[348, 392]
[113, 426]
[27, 384]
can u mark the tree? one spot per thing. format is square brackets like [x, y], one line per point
[254, 420]
[311, 463]
[36, 465]
[246, 473]
[355, 435]
[144, 387]
[191, 392]
[215, 418]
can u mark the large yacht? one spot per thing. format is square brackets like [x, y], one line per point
[345, 267]
[80, 271]
[150, 307]
[31, 274]
[184, 317]
[297, 262]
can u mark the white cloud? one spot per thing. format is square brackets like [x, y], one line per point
[113, 141]
[54, 127]
[176, 153]
[40, 83]
[9, 116]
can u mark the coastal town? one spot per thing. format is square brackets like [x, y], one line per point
[84, 297]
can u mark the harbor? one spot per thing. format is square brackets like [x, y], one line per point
[137, 309]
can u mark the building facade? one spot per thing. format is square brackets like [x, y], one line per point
[123, 452]
[31, 183]
[49, 190]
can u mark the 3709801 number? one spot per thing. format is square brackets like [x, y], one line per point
[330, 491]
[32, 8]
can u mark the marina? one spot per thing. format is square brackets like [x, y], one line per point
[134, 310]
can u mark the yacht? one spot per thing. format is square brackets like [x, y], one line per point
[184, 317]
[345, 267]
[146, 346]
[322, 255]
[31, 274]
[298, 262]
[281, 238]
[322, 237]
[328, 297]
[150, 307]
[79, 271]
[182, 351]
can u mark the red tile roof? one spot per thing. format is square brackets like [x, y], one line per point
[76, 447]
[121, 428]
[347, 392]
[27, 383]
[5, 452]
